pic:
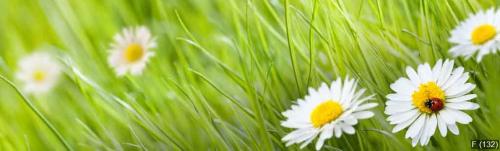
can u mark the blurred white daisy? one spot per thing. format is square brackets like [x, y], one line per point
[430, 99]
[131, 50]
[38, 72]
[477, 34]
[328, 110]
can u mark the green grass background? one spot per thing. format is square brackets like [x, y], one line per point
[224, 70]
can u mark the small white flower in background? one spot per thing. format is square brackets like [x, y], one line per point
[478, 34]
[430, 99]
[131, 50]
[39, 72]
[329, 110]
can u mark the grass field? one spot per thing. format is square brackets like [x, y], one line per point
[224, 70]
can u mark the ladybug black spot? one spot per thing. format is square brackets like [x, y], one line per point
[428, 103]
[435, 104]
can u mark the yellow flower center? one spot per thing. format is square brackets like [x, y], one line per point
[427, 92]
[325, 113]
[39, 76]
[483, 33]
[133, 53]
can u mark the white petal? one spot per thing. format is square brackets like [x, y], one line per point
[303, 138]
[416, 127]
[462, 98]
[363, 114]
[137, 69]
[465, 50]
[459, 91]
[348, 129]
[398, 97]
[456, 74]
[459, 82]
[425, 72]
[398, 103]
[461, 117]
[447, 116]
[401, 107]
[483, 51]
[405, 124]
[414, 142]
[432, 124]
[335, 89]
[419, 135]
[403, 86]
[463, 105]
[324, 90]
[361, 100]
[297, 135]
[445, 72]
[356, 97]
[399, 118]
[453, 128]
[366, 106]
[350, 120]
[436, 70]
[293, 124]
[414, 78]
[441, 125]
[348, 85]
[327, 133]
[313, 92]
[306, 142]
[121, 71]
[338, 131]
[423, 137]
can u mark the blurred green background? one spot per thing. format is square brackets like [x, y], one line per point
[224, 70]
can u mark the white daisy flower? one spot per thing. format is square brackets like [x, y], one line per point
[328, 110]
[429, 99]
[39, 72]
[477, 34]
[131, 50]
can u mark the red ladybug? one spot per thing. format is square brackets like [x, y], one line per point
[435, 104]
